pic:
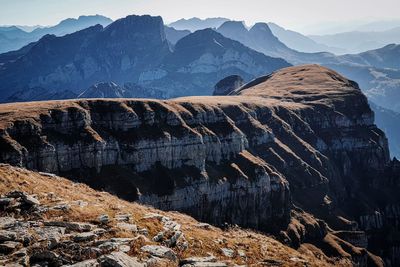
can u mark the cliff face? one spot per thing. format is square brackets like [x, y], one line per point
[304, 136]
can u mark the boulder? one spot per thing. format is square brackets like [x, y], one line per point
[85, 237]
[160, 251]
[119, 259]
[87, 263]
[7, 222]
[7, 236]
[127, 227]
[72, 226]
[9, 246]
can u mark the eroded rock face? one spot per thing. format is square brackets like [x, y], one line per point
[228, 85]
[304, 133]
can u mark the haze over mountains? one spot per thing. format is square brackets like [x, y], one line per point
[177, 62]
[240, 127]
[131, 50]
[13, 37]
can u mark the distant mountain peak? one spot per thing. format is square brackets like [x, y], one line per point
[238, 25]
[261, 26]
[194, 24]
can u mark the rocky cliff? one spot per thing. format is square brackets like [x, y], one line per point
[299, 141]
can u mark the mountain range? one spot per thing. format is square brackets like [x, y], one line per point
[300, 42]
[195, 24]
[359, 41]
[13, 37]
[131, 50]
[183, 63]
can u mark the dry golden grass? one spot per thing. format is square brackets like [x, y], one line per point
[258, 247]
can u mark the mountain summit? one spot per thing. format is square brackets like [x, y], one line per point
[131, 50]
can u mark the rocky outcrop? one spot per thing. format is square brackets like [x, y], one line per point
[303, 136]
[228, 85]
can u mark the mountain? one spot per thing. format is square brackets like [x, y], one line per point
[376, 71]
[389, 122]
[131, 50]
[13, 38]
[294, 154]
[195, 24]
[359, 41]
[39, 94]
[112, 90]
[300, 42]
[72, 25]
[385, 57]
[173, 35]
[379, 26]
[260, 38]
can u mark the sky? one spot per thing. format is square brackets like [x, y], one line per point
[302, 15]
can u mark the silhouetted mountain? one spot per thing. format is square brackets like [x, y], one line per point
[72, 25]
[260, 38]
[12, 38]
[112, 90]
[135, 50]
[380, 25]
[39, 94]
[357, 41]
[385, 57]
[195, 24]
[300, 42]
[173, 35]
[369, 69]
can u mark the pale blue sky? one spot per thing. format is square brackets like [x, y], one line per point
[294, 14]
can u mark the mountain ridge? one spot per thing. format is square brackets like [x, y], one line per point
[273, 152]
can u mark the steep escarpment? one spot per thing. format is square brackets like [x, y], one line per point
[299, 141]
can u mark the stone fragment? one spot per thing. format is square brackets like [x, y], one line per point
[160, 251]
[198, 259]
[62, 207]
[104, 219]
[7, 236]
[143, 231]
[228, 252]
[119, 259]
[48, 257]
[72, 226]
[123, 217]
[173, 240]
[7, 222]
[9, 246]
[158, 237]
[203, 225]
[209, 261]
[85, 237]
[87, 263]
[127, 227]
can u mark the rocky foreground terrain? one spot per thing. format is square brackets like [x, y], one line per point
[295, 154]
[50, 221]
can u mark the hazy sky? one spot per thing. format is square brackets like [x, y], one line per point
[294, 14]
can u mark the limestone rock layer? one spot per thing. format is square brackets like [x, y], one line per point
[302, 137]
